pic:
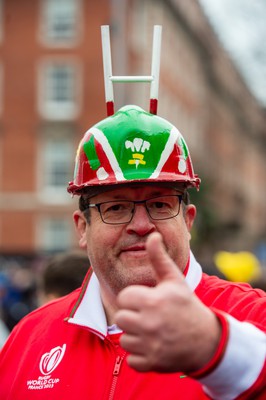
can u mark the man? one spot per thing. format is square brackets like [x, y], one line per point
[186, 335]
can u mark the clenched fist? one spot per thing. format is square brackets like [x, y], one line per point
[166, 328]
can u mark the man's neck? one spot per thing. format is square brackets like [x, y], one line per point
[109, 304]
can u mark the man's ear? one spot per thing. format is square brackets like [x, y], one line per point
[190, 215]
[80, 225]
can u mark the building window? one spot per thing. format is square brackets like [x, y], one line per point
[60, 22]
[58, 154]
[54, 234]
[59, 90]
[56, 168]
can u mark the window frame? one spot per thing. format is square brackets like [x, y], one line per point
[50, 108]
[47, 239]
[48, 193]
[46, 22]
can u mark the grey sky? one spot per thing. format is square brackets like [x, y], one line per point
[241, 27]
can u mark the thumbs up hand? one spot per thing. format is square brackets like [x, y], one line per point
[166, 328]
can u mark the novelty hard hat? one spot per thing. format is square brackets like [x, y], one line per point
[132, 146]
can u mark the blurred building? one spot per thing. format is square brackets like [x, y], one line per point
[51, 91]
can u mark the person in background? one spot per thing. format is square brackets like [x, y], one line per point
[4, 331]
[147, 322]
[62, 273]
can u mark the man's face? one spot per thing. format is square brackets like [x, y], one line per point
[117, 252]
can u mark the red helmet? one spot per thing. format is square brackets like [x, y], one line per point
[132, 146]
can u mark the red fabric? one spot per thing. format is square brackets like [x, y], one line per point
[92, 368]
[236, 299]
[220, 350]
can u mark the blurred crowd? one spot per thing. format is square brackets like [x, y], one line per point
[26, 284]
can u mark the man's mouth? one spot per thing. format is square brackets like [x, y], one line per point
[135, 247]
[136, 250]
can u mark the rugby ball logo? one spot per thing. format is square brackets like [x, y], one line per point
[49, 361]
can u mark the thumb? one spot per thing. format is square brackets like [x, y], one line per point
[163, 265]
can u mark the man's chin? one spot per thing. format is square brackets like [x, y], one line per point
[139, 275]
[135, 270]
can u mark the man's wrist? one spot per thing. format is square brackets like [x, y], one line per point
[220, 350]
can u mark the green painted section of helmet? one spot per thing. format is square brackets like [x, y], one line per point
[184, 147]
[137, 150]
[91, 153]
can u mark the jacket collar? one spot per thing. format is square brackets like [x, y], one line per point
[89, 311]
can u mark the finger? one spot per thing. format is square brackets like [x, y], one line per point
[138, 362]
[163, 265]
[132, 344]
[133, 297]
[127, 321]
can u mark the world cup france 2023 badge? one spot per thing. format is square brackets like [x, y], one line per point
[48, 363]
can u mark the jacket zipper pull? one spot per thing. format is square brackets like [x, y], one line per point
[117, 366]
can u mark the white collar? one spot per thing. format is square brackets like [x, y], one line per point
[90, 312]
[194, 273]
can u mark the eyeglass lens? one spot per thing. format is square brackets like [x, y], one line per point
[122, 211]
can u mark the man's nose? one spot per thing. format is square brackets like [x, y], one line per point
[141, 222]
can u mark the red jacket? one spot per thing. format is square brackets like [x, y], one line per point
[63, 351]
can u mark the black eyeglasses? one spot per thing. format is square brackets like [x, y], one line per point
[122, 211]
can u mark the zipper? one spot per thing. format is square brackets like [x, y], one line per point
[116, 370]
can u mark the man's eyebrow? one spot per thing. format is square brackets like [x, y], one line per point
[156, 193]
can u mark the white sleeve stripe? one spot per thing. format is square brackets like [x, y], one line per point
[242, 363]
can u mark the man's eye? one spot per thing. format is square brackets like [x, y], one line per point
[116, 207]
[160, 204]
